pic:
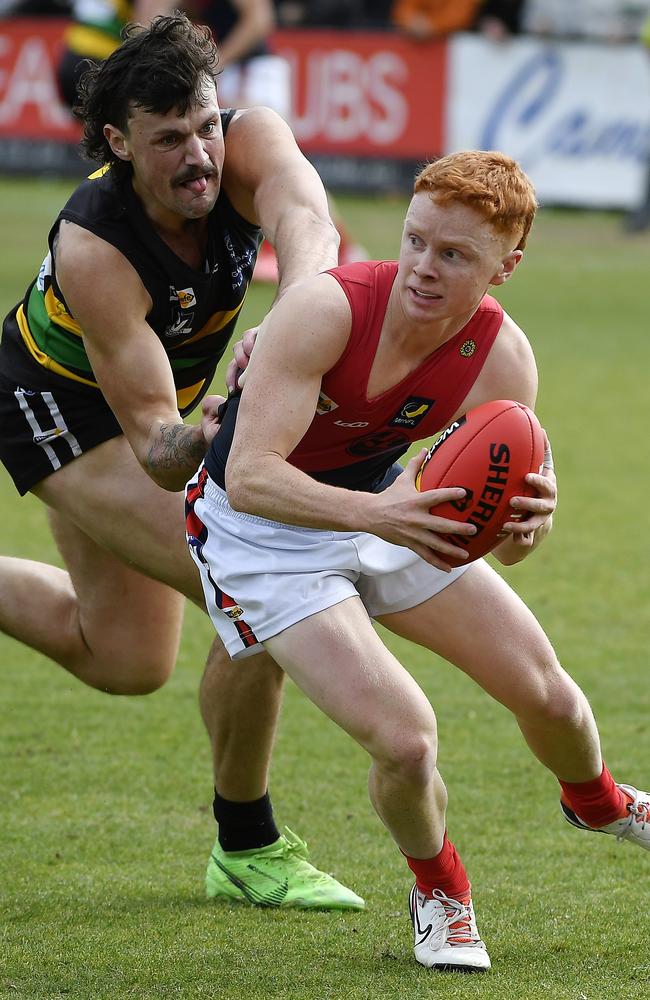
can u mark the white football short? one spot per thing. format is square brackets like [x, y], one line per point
[259, 577]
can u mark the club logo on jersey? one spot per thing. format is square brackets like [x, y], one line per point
[182, 325]
[184, 296]
[467, 348]
[234, 613]
[412, 412]
[325, 404]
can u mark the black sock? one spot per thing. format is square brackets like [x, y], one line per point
[245, 825]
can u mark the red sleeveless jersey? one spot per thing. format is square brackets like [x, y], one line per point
[353, 440]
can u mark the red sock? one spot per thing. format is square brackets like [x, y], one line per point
[446, 871]
[597, 802]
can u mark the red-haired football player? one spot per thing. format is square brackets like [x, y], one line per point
[304, 539]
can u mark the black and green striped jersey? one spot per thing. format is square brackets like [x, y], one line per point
[96, 26]
[194, 312]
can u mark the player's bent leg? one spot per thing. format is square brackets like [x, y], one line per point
[369, 694]
[507, 653]
[110, 626]
[110, 620]
[109, 497]
[339, 661]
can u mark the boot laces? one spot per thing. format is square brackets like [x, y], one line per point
[458, 919]
[639, 813]
[290, 846]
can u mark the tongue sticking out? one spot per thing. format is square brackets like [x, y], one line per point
[198, 185]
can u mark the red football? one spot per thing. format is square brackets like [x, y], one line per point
[488, 451]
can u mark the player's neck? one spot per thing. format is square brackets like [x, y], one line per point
[187, 238]
[418, 336]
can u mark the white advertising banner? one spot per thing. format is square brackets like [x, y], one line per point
[575, 115]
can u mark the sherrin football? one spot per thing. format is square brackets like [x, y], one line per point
[488, 451]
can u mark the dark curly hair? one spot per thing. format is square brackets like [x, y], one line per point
[157, 68]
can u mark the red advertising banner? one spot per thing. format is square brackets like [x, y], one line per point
[30, 106]
[355, 93]
[366, 93]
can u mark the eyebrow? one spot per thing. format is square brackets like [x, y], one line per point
[464, 242]
[213, 116]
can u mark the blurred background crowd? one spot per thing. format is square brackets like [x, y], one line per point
[577, 119]
[612, 20]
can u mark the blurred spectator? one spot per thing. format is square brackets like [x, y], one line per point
[253, 75]
[424, 19]
[250, 73]
[94, 34]
[639, 220]
[499, 19]
[611, 20]
[331, 13]
[34, 8]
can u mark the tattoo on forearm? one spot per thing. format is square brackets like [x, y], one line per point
[177, 448]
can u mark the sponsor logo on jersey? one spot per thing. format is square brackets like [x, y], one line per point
[412, 412]
[48, 435]
[467, 348]
[325, 404]
[241, 263]
[378, 443]
[351, 423]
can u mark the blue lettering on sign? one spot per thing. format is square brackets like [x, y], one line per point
[526, 106]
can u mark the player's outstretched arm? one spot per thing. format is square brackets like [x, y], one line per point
[110, 303]
[271, 183]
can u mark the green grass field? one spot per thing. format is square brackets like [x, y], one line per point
[107, 822]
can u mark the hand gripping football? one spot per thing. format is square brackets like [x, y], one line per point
[488, 452]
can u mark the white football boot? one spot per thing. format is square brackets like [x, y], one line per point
[634, 827]
[446, 936]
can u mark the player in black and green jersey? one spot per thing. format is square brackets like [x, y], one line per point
[118, 336]
[94, 33]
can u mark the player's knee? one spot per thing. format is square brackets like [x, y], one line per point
[132, 678]
[559, 700]
[411, 757]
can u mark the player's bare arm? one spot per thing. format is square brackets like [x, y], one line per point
[510, 372]
[304, 337]
[256, 20]
[271, 183]
[110, 303]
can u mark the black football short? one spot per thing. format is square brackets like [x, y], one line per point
[42, 429]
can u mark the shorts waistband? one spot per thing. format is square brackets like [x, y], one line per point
[217, 496]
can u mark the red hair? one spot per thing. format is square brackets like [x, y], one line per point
[489, 182]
